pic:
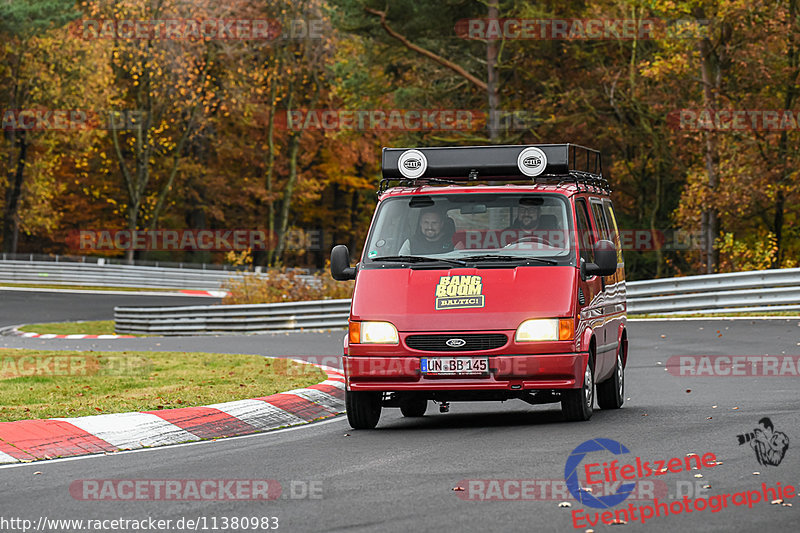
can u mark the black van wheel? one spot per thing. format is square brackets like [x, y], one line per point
[577, 404]
[414, 407]
[363, 409]
[611, 392]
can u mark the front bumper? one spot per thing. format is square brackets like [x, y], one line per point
[506, 372]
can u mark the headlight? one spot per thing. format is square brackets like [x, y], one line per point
[546, 329]
[373, 333]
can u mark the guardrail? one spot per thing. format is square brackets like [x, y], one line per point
[57, 258]
[110, 275]
[754, 291]
[217, 319]
[765, 290]
[107, 275]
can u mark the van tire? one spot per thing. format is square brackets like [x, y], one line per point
[611, 392]
[363, 408]
[577, 404]
[414, 407]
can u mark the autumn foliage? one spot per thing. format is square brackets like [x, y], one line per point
[285, 285]
[192, 132]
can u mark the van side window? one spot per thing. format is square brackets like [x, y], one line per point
[600, 221]
[584, 231]
[612, 223]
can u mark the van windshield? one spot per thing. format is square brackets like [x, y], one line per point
[471, 228]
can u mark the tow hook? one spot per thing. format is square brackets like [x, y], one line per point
[444, 407]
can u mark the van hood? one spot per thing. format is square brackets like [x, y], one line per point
[463, 299]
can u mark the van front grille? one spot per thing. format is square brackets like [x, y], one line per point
[472, 342]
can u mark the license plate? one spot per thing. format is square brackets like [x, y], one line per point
[454, 366]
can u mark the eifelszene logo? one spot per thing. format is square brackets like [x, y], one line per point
[571, 474]
[769, 445]
[614, 471]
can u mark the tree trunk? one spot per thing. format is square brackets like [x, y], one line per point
[653, 230]
[176, 156]
[712, 77]
[294, 144]
[354, 211]
[492, 49]
[133, 220]
[793, 60]
[780, 202]
[268, 177]
[16, 174]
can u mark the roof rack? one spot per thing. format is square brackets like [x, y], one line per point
[564, 163]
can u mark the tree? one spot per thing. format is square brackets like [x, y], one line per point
[161, 89]
[23, 24]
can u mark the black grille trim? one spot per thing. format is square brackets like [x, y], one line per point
[474, 342]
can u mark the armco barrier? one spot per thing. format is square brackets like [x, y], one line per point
[753, 291]
[107, 275]
[217, 319]
[763, 291]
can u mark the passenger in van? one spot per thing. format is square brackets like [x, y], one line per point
[434, 234]
[531, 223]
[527, 219]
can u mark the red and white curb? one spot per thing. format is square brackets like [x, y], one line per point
[31, 335]
[31, 440]
[215, 294]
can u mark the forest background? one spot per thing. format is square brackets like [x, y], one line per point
[226, 131]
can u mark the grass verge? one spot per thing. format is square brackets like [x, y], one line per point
[46, 384]
[90, 327]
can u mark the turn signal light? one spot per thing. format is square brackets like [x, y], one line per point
[373, 333]
[566, 329]
[355, 332]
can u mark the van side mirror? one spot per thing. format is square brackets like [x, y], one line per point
[605, 260]
[340, 264]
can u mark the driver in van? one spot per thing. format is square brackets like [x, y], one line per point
[434, 234]
[532, 227]
[527, 218]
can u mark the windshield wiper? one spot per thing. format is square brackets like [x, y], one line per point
[491, 257]
[419, 259]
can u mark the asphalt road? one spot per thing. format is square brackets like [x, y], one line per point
[322, 348]
[400, 476]
[32, 306]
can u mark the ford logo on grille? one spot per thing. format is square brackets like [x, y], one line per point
[455, 343]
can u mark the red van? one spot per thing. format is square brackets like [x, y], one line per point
[489, 273]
